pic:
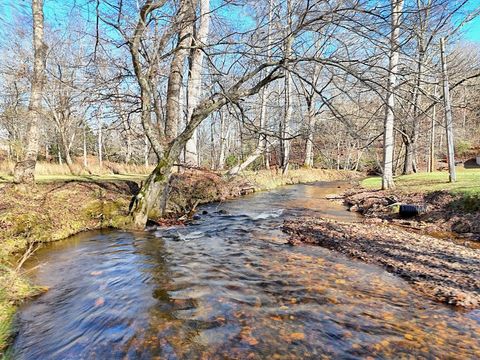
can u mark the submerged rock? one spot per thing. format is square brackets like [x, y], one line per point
[440, 269]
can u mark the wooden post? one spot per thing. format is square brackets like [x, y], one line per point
[448, 115]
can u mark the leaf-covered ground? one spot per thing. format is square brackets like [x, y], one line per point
[443, 270]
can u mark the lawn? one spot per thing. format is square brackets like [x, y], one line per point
[468, 182]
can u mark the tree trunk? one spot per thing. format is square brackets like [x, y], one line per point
[388, 136]
[285, 123]
[310, 127]
[24, 171]
[85, 163]
[100, 143]
[175, 78]
[260, 150]
[263, 139]
[224, 136]
[409, 156]
[409, 165]
[448, 115]
[66, 153]
[431, 163]
[194, 85]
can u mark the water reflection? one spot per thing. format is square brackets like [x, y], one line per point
[226, 287]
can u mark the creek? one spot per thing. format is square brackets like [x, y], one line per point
[227, 286]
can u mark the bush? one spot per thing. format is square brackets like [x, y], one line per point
[231, 161]
[462, 148]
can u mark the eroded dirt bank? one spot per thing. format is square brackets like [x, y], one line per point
[444, 211]
[445, 271]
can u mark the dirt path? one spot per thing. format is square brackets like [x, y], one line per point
[442, 270]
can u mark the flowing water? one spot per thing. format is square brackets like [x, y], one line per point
[227, 286]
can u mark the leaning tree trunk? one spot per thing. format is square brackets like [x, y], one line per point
[157, 182]
[259, 151]
[388, 138]
[24, 171]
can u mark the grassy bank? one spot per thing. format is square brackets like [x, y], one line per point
[466, 190]
[468, 182]
[62, 205]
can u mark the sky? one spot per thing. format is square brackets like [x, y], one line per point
[14, 12]
[472, 30]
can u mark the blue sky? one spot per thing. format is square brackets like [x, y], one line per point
[472, 30]
[56, 11]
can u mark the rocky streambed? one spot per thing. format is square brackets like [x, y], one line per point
[440, 269]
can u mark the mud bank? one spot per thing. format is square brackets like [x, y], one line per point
[442, 270]
[444, 211]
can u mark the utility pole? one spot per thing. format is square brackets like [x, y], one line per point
[448, 115]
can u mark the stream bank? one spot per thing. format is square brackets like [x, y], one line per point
[446, 213]
[56, 210]
[437, 250]
[226, 286]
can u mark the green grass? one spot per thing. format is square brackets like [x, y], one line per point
[15, 289]
[468, 182]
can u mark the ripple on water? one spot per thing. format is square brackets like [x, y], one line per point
[229, 292]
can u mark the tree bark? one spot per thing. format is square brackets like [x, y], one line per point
[388, 136]
[186, 16]
[310, 127]
[194, 85]
[24, 171]
[431, 163]
[100, 143]
[285, 123]
[448, 115]
[156, 184]
[224, 136]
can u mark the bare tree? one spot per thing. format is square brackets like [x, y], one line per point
[448, 114]
[194, 86]
[285, 132]
[25, 170]
[388, 138]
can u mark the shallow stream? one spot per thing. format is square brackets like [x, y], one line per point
[227, 286]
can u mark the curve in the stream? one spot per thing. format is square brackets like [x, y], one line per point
[227, 286]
